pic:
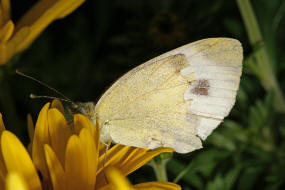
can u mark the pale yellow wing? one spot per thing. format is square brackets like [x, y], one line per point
[175, 99]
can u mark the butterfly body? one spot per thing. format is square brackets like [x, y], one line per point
[173, 100]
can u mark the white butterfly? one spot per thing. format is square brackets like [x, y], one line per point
[173, 100]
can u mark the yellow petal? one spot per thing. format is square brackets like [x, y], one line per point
[75, 165]
[15, 182]
[59, 132]
[134, 154]
[30, 148]
[55, 168]
[5, 9]
[129, 159]
[3, 174]
[3, 53]
[97, 138]
[41, 137]
[14, 45]
[17, 160]
[136, 162]
[70, 9]
[18, 42]
[91, 155]
[102, 147]
[117, 180]
[58, 105]
[114, 155]
[2, 166]
[2, 126]
[31, 128]
[6, 32]
[42, 14]
[157, 186]
[80, 122]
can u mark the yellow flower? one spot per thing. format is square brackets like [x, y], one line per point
[119, 182]
[69, 155]
[15, 38]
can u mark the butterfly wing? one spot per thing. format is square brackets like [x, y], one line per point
[172, 100]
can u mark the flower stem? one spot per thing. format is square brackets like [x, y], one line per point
[159, 170]
[159, 166]
[263, 67]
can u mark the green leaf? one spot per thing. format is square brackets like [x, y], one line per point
[249, 177]
[234, 26]
[232, 176]
[204, 163]
[217, 184]
[235, 131]
[222, 141]
[177, 168]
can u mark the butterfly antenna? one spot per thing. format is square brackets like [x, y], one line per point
[66, 99]
[33, 96]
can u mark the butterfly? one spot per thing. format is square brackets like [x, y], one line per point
[174, 100]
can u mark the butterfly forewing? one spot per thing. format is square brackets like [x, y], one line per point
[175, 99]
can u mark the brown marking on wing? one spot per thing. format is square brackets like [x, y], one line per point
[201, 88]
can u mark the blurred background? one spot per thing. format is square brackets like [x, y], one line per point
[82, 54]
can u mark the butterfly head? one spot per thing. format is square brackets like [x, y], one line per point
[87, 109]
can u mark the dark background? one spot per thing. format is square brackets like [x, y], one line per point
[84, 53]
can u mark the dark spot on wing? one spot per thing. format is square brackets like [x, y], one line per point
[201, 88]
